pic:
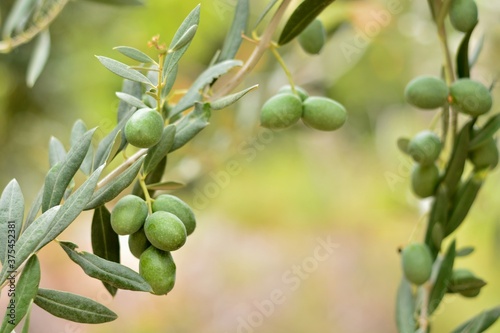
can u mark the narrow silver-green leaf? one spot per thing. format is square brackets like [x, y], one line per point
[116, 186]
[165, 186]
[73, 307]
[134, 54]
[111, 272]
[29, 241]
[11, 218]
[34, 209]
[131, 88]
[39, 57]
[123, 70]
[27, 321]
[226, 101]
[191, 125]
[405, 308]
[26, 290]
[105, 242]
[443, 277]
[131, 100]
[465, 251]
[266, 11]
[193, 95]
[105, 146]
[307, 11]
[463, 63]
[185, 39]
[61, 174]
[234, 38]
[57, 152]
[77, 132]
[19, 12]
[160, 150]
[172, 59]
[479, 323]
[485, 133]
[170, 81]
[115, 147]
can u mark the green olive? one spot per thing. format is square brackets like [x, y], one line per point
[427, 92]
[417, 263]
[313, 37]
[144, 129]
[463, 14]
[424, 180]
[172, 204]
[485, 156]
[157, 267]
[301, 92]
[281, 111]
[165, 231]
[470, 97]
[128, 215]
[425, 147]
[138, 243]
[323, 113]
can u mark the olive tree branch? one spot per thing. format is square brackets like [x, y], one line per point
[7, 45]
[264, 43]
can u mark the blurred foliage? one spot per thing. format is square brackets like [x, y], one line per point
[292, 187]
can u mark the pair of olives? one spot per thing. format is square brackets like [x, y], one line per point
[153, 237]
[286, 108]
[466, 96]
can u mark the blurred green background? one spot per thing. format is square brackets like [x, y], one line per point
[266, 202]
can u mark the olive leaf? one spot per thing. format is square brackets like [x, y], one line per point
[307, 11]
[226, 101]
[485, 133]
[160, 150]
[11, 217]
[131, 100]
[204, 79]
[116, 186]
[57, 152]
[172, 59]
[51, 223]
[105, 147]
[166, 186]
[443, 277]
[463, 62]
[73, 307]
[124, 70]
[107, 271]
[26, 290]
[191, 124]
[19, 13]
[170, 80]
[39, 57]
[131, 88]
[405, 308]
[234, 38]
[464, 251]
[437, 216]
[34, 209]
[105, 242]
[479, 323]
[60, 175]
[134, 54]
[77, 133]
[185, 39]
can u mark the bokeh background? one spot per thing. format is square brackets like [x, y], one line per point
[303, 237]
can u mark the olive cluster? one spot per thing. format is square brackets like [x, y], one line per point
[154, 236]
[286, 108]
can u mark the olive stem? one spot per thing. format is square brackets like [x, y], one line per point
[9, 44]
[159, 87]
[264, 44]
[423, 319]
[144, 187]
[122, 167]
[284, 67]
